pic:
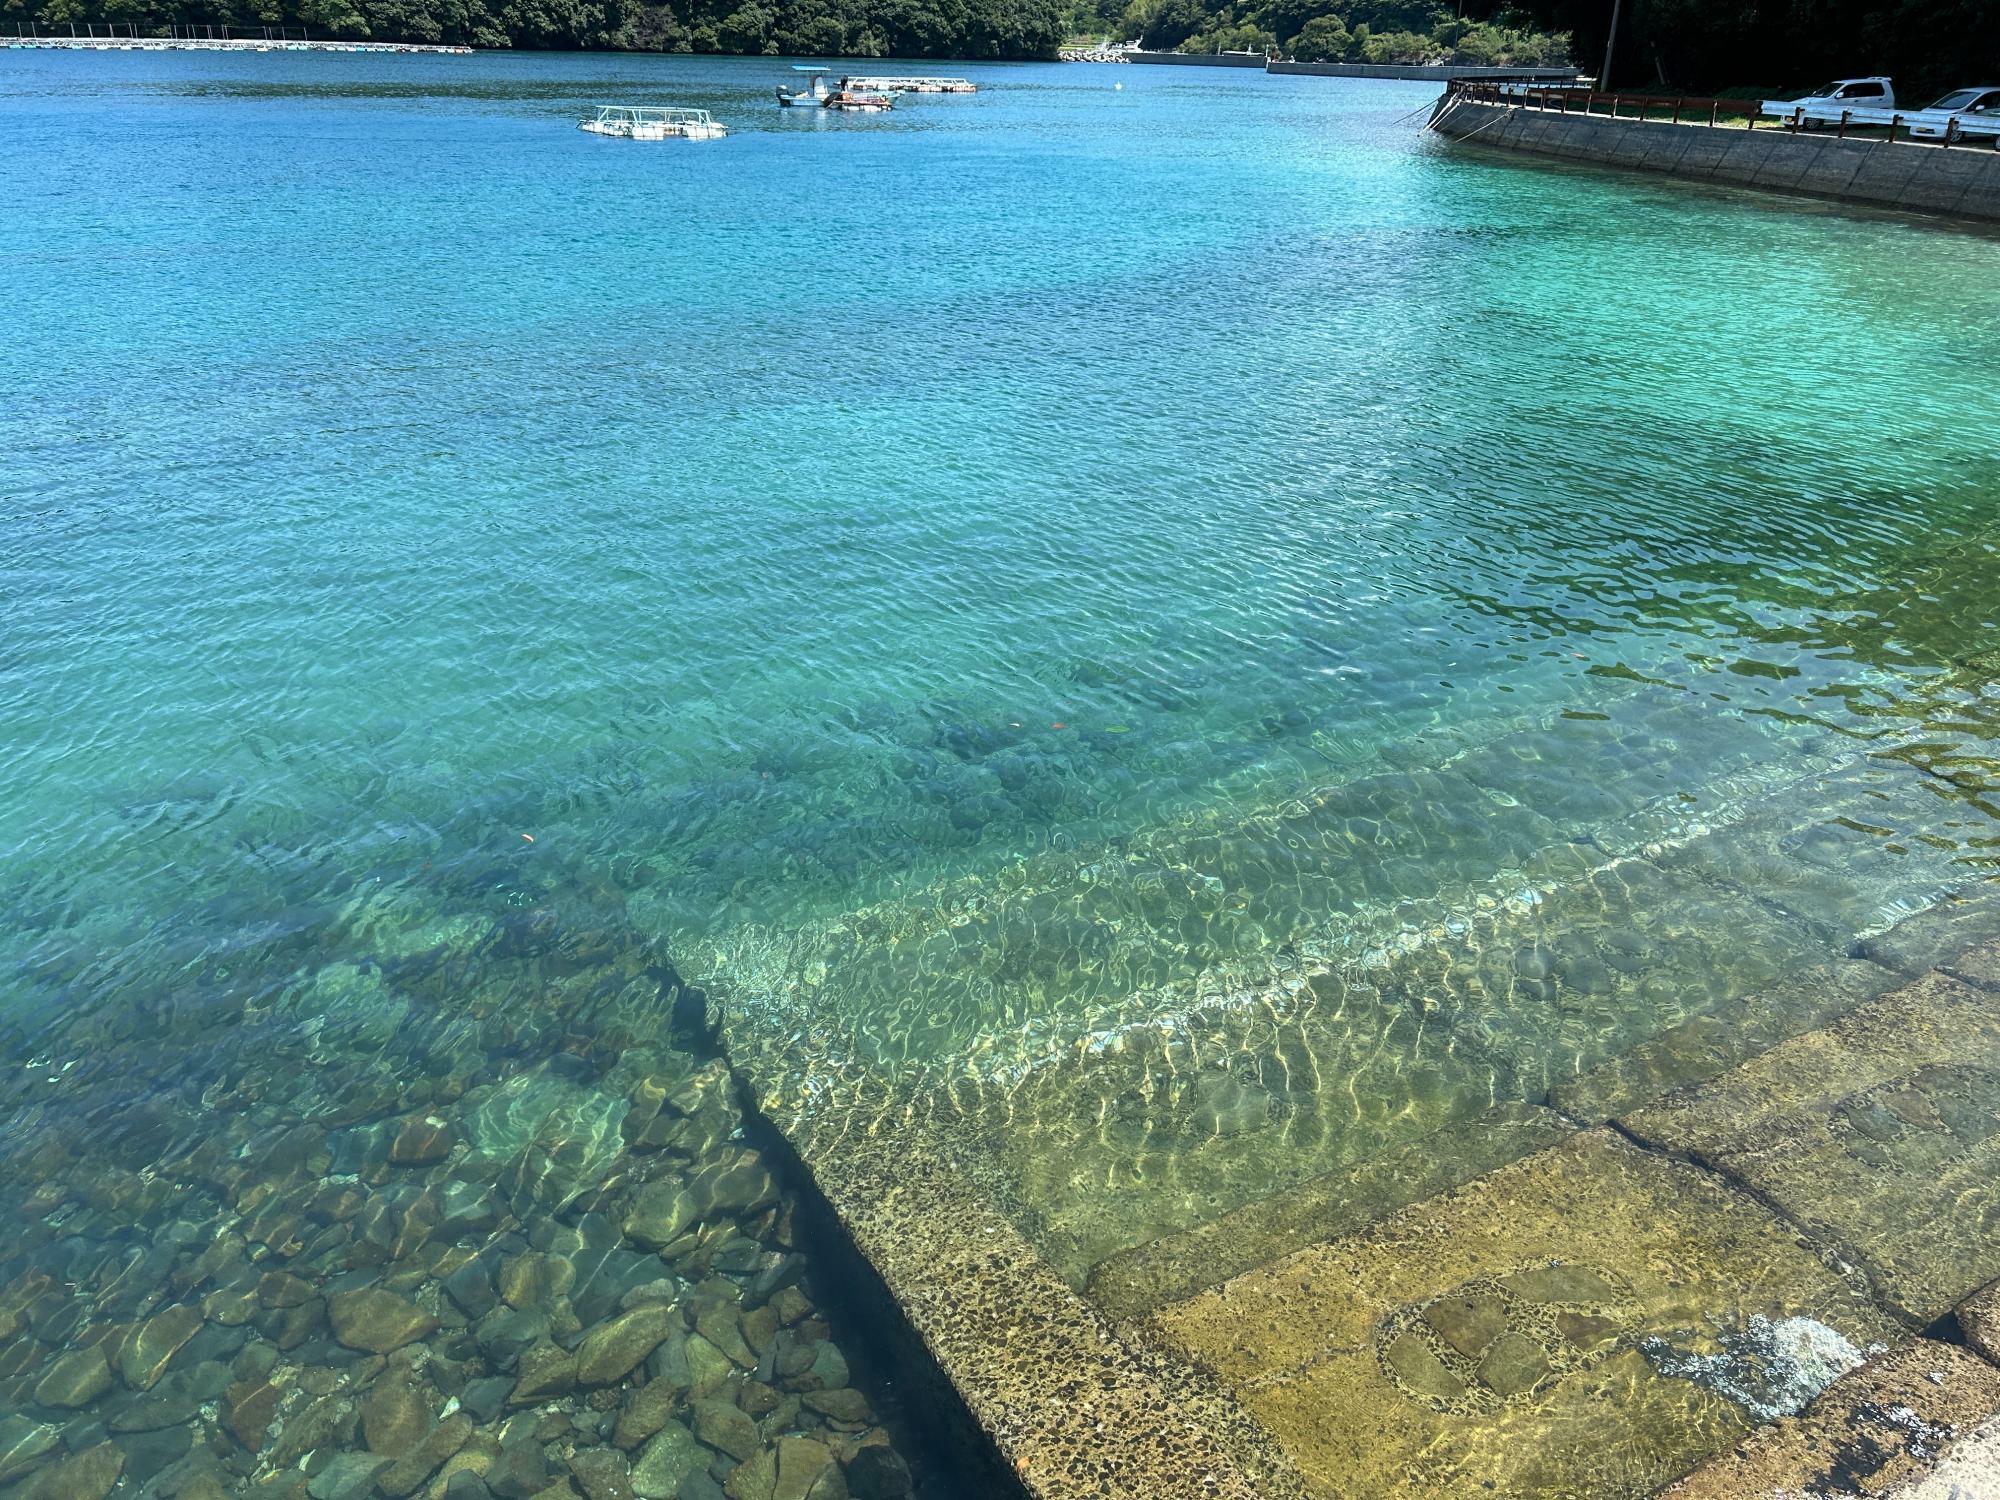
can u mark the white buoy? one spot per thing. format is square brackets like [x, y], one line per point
[1117, 86]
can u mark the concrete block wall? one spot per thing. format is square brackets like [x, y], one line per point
[1962, 183]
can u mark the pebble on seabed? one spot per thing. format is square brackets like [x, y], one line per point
[375, 1260]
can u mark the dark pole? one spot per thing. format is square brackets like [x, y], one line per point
[1611, 41]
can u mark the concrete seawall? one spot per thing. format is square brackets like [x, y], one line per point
[1199, 59]
[1962, 183]
[1440, 73]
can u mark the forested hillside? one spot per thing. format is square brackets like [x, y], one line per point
[1481, 32]
[1928, 46]
[814, 28]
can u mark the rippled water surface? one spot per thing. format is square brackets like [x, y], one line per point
[977, 586]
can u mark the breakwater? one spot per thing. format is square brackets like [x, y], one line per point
[1960, 183]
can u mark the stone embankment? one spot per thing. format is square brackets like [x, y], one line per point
[1961, 182]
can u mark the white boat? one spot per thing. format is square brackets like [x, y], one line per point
[651, 122]
[813, 95]
[916, 85]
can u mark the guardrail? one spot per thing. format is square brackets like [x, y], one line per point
[1678, 109]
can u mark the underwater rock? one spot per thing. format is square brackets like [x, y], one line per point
[145, 1355]
[844, 1404]
[877, 1472]
[432, 1452]
[612, 1350]
[755, 1480]
[668, 1459]
[807, 1471]
[421, 1140]
[247, 1410]
[602, 1474]
[349, 1476]
[394, 1417]
[24, 1444]
[375, 1321]
[88, 1476]
[646, 1411]
[545, 1370]
[75, 1379]
[534, 1277]
[1980, 1318]
[659, 1214]
[726, 1427]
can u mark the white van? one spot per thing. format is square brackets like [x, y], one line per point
[1977, 112]
[1864, 101]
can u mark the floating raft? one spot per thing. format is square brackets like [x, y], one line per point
[888, 85]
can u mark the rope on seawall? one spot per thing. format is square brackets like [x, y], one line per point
[1454, 107]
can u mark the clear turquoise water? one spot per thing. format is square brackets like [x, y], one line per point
[999, 517]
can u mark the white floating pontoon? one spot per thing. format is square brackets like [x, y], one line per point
[874, 85]
[645, 122]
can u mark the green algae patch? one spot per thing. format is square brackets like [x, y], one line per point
[1175, 1267]
[1872, 1432]
[1571, 1324]
[1880, 1134]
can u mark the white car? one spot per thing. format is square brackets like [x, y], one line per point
[1863, 101]
[1977, 112]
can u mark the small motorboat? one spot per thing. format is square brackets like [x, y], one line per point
[813, 95]
[653, 122]
[816, 95]
[856, 99]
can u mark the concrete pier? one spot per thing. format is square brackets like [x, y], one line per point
[1962, 182]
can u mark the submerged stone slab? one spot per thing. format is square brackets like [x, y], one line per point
[1879, 1430]
[1175, 1126]
[1709, 1045]
[1951, 933]
[1979, 966]
[1177, 1266]
[1603, 962]
[1591, 1320]
[1850, 851]
[1879, 1133]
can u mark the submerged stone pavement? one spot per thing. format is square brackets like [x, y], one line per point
[1718, 1263]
